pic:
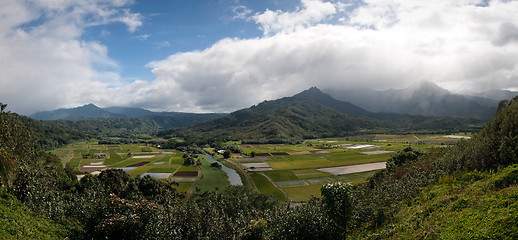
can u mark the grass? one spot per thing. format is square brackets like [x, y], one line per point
[295, 168]
[303, 193]
[354, 178]
[268, 148]
[213, 178]
[114, 157]
[313, 161]
[469, 206]
[315, 175]
[184, 187]
[265, 186]
[187, 168]
[283, 175]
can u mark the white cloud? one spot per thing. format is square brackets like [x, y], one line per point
[162, 44]
[455, 44]
[380, 46]
[44, 62]
[241, 12]
[142, 37]
[313, 11]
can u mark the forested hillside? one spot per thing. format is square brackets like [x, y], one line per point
[464, 192]
[312, 114]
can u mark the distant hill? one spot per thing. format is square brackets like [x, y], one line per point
[90, 111]
[287, 119]
[498, 95]
[130, 112]
[424, 98]
[309, 114]
[86, 111]
[59, 127]
[145, 117]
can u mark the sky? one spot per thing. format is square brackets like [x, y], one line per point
[225, 55]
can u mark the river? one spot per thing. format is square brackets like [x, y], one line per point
[233, 177]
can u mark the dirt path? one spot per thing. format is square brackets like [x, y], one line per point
[247, 178]
[70, 155]
[195, 183]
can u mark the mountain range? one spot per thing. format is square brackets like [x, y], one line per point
[424, 98]
[90, 111]
[310, 114]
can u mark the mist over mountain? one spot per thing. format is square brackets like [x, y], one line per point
[497, 94]
[129, 111]
[424, 98]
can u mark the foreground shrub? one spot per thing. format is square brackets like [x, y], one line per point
[336, 200]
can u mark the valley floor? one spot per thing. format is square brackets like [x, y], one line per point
[288, 172]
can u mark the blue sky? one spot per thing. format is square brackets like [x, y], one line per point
[170, 26]
[221, 56]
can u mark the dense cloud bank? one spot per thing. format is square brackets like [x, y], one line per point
[459, 45]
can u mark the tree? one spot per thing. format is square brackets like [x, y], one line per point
[226, 154]
[16, 144]
[403, 156]
[336, 200]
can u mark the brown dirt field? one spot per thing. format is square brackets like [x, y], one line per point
[138, 164]
[262, 154]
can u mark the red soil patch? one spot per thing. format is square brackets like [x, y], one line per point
[186, 174]
[138, 164]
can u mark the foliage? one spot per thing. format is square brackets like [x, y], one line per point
[293, 119]
[19, 222]
[16, 144]
[336, 199]
[507, 177]
[465, 207]
[226, 154]
[308, 221]
[401, 157]
[422, 195]
[496, 145]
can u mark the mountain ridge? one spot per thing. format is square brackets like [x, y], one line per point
[91, 111]
[309, 114]
[424, 98]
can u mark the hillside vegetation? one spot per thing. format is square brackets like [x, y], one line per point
[463, 192]
[310, 114]
[282, 120]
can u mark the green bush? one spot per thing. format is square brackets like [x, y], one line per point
[336, 201]
[506, 177]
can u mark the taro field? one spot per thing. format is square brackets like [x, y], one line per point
[297, 172]
[135, 159]
[288, 172]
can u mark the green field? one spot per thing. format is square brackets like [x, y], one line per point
[297, 176]
[265, 186]
[213, 178]
[294, 177]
